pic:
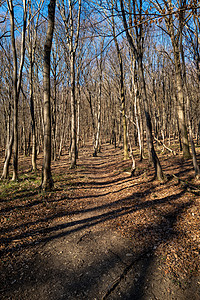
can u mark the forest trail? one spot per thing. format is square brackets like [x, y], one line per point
[102, 241]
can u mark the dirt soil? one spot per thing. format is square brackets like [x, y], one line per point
[101, 234]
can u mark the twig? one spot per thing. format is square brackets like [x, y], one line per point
[83, 236]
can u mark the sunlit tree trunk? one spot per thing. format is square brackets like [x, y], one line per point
[73, 111]
[34, 153]
[188, 105]
[136, 104]
[72, 35]
[180, 105]
[122, 91]
[137, 119]
[17, 77]
[137, 51]
[152, 154]
[47, 181]
[32, 40]
[97, 136]
[8, 157]
[9, 139]
[78, 119]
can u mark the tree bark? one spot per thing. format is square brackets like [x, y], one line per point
[73, 111]
[152, 154]
[17, 78]
[34, 154]
[31, 52]
[8, 157]
[137, 121]
[78, 119]
[180, 105]
[97, 137]
[15, 96]
[122, 91]
[47, 181]
[188, 105]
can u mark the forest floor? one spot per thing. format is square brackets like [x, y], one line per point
[101, 234]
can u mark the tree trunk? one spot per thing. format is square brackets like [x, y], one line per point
[47, 181]
[78, 121]
[8, 129]
[180, 106]
[188, 103]
[15, 95]
[8, 157]
[32, 39]
[152, 154]
[89, 98]
[34, 154]
[54, 118]
[133, 168]
[15, 132]
[137, 107]
[97, 137]
[137, 123]
[126, 156]
[17, 78]
[122, 91]
[73, 148]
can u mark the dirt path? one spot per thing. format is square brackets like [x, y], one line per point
[84, 255]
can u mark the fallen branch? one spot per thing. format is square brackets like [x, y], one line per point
[191, 188]
[170, 150]
[167, 148]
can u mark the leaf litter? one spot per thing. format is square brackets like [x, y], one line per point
[163, 217]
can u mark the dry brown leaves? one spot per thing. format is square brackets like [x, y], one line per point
[163, 217]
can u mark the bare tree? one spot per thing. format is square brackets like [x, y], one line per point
[47, 181]
[174, 30]
[17, 79]
[122, 90]
[137, 49]
[188, 103]
[32, 44]
[72, 32]
[7, 96]
[99, 100]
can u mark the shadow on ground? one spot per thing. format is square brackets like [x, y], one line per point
[79, 253]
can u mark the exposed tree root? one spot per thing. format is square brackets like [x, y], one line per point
[117, 281]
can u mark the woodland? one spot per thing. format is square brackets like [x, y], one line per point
[100, 148]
